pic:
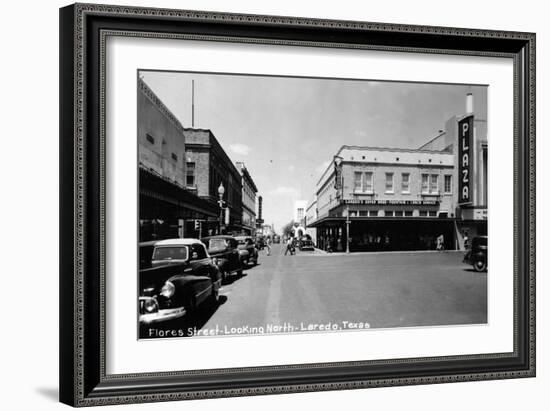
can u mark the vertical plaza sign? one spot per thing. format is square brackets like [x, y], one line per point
[465, 159]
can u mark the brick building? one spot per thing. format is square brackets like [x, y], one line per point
[208, 166]
[249, 191]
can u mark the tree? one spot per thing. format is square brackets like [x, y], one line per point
[288, 229]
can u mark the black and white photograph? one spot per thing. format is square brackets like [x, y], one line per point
[282, 205]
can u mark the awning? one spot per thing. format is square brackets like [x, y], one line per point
[332, 221]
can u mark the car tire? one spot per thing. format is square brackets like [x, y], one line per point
[480, 266]
[240, 272]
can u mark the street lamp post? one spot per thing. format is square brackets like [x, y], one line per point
[348, 222]
[221, 191]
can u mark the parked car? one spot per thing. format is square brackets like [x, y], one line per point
[182, 276]
[146, 249]
[247, 250]
[306, 245]
[477, 254]
[224, 251]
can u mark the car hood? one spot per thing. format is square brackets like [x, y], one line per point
[151, 279]
[217, 251]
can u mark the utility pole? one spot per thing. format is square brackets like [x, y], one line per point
[348, 222]
[193, 103]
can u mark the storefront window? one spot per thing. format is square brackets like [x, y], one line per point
[425, 183]
[405, 186]
[448, 184]
[389, 182]
[368, 182]
[434, 184]
[190, 181]
[358, 185]
[362, 182]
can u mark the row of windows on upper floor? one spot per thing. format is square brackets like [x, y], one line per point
[393, 213]
[363, 183]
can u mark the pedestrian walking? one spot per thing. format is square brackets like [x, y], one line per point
[466, 241]
[440, 243]
[268, 245]
[289, 246]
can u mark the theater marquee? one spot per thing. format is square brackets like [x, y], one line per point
[465, 141]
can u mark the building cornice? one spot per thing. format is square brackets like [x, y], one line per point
[157, 102]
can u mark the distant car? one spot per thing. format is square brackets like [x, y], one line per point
[247, 250]
[276, 239]
[224, 251]
[181, 277]
[477, 254]
[306, 245]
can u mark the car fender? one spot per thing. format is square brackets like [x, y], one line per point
[187, 284]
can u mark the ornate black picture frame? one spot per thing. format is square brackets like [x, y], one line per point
[83, 30]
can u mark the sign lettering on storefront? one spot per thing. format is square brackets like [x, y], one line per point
[465, 141]
[392, 202]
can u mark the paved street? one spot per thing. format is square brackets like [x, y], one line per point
[312, 290]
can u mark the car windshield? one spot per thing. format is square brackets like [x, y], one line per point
[242, 241]
[217, 244]
[170, 253]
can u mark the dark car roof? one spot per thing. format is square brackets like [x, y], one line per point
[148, 243]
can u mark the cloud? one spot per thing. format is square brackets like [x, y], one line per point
[240, 149]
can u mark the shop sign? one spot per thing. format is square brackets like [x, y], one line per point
[392, 202]
[465, 153]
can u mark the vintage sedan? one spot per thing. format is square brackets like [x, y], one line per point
[182, 276]
[146, 249]
[225, 254]
[247, 250]
[306, 245]
[477, 254]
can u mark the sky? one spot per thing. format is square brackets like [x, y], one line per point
[287, 129]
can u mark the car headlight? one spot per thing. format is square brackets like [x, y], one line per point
[150, 305]
[167, 289]
[215, 261]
